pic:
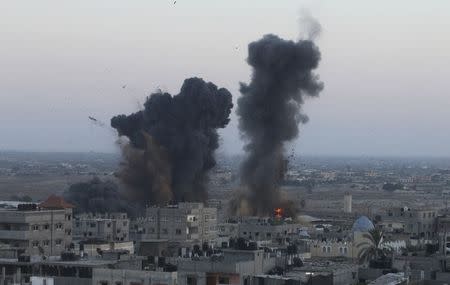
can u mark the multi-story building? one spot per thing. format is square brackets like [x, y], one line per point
[111, 227]
[44, 229]
[230, 269]
[260, 229]
[418, 223]
[102, 276]
[185, 223]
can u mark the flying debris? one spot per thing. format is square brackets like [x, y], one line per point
[175, 2]
[269, 111]
[124, 86]
[96, 121]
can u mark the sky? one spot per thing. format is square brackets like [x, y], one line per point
[385, 66]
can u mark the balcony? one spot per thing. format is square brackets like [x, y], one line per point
[14, 235]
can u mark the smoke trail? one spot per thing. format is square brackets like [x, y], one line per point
[172, 142]
[269, 113]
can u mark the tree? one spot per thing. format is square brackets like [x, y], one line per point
[372, 247]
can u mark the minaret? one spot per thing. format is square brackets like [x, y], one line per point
[347, 202]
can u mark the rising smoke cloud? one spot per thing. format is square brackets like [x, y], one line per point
[97, 196]
[270, 112]
[172, 142]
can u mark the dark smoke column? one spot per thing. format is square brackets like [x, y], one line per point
[172, 142]
[269, 113]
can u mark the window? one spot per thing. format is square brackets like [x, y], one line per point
[191, 280]
[59, 226]
[68, 217]
[165, 231]
[125, 223]
[35, 243]
[58, 242]
[345, 250]
[329, 249]
[324, 249]
[103, 283]
[224, 280]
[93, 225]
[178, 231]
[35, 227]
[46, 242]
[118, 283]
[108, 225]
[46, 226]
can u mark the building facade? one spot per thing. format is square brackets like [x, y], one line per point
[44, 229]
[113, 227]
[190, 223]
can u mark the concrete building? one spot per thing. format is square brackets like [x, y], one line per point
[102, 276]
[68, 270]
[232, 268]
[326, 272]
[44, 229]
[260, 229]
[418, 223]
[185, 223]
[333, 248]
[347, 203]
[112, 227]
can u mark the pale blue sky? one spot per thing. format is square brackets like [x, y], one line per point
[386, 68]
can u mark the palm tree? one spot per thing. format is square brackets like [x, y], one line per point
[372, 247]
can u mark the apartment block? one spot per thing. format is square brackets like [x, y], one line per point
[44, 229]
[186, 223]
[110, 227]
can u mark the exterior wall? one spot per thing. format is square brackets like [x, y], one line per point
[333, 248]
[132, 277]
[47, 232]
[418, 223]
[347, 203]
[186, 222]
[107, 227]
[42, 280]
[91, 249]
[234, 267]
[258, 229]
[443, 232]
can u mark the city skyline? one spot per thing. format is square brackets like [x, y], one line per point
[384, 67]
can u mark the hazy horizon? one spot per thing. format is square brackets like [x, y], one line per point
[384, 65]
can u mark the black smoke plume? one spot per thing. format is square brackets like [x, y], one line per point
[269, 113]
[97, 196]
[172, 142]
